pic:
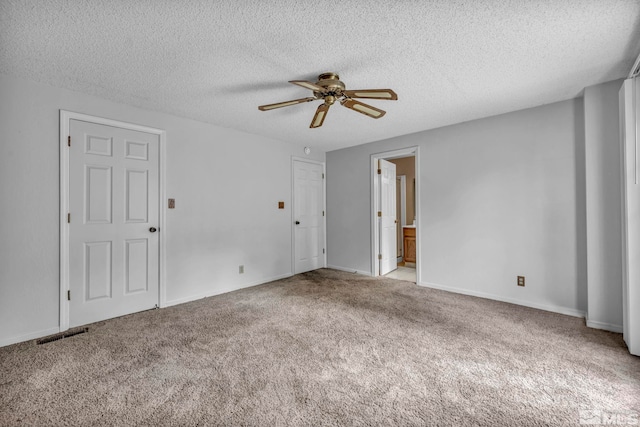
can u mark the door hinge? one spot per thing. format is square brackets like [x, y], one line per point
[69, 141]
[379, 213]
[322, 213]
[68, 295]
[322, 250]
[68, 218]
[379, 256]
[379, 171]
[322, 176]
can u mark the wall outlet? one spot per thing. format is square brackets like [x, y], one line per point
[520, 280]
[241, 269]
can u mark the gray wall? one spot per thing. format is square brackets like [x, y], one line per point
[603, 203]
[499, 197]
[226, 185]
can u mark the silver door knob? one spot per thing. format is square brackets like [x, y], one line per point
[153, 229]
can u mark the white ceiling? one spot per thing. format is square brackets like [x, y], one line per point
[216, 61]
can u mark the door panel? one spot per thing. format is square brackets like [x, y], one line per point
[387, 218]
[98, 194]
[136, 253]
[113, 202]
[398, 218]
[99, 146]
[97, 270]
[136, 188]
[308, 193]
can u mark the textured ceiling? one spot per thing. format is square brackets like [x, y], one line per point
[216, 61]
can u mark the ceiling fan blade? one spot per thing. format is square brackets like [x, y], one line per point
[284, 104]
[308, 85]
[318, 118]
[363, 108]
[372, 94]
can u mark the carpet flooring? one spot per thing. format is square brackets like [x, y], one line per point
[325, 348]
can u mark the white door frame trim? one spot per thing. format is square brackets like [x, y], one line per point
[375, 202]
[629, 97]
[324, 208]
[65, 119]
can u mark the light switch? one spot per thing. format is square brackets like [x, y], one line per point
[172, 203]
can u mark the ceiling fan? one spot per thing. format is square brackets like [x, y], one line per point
[330, 89]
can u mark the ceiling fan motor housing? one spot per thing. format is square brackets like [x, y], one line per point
[332, 85]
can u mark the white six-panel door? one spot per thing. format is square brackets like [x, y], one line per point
[114, 221]
[308, 214]
[387, 217]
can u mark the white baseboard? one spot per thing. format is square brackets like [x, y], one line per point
[30, 336]
[604, 326]
[349, 270]
[545, 307]
[224, 290]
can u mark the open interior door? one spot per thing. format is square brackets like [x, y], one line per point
[387, 217]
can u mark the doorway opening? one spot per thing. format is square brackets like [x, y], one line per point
[395, 213]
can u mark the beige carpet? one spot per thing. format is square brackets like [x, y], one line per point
[325, 348]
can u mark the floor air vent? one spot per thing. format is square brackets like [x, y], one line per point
[62, 335]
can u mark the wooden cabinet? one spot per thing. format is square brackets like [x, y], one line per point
[409, 238]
